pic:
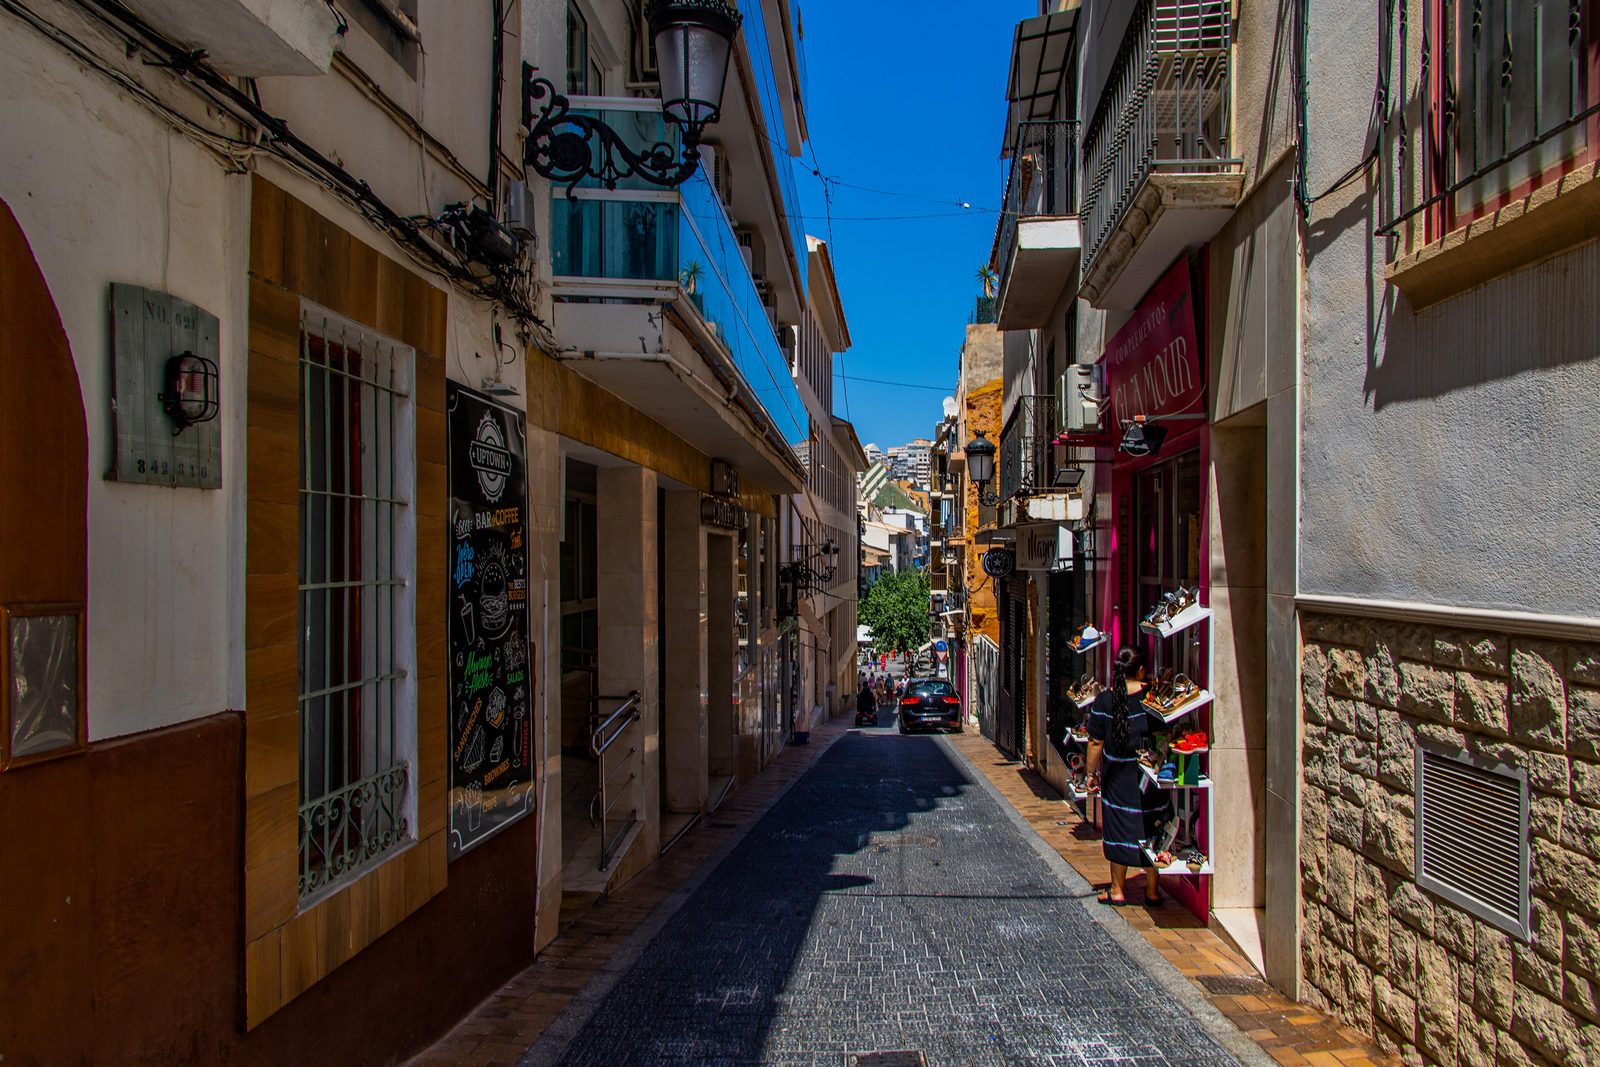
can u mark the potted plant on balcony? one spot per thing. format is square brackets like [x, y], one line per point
[689, 277]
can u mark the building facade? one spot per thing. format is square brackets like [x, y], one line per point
[371, 550]
[1448, 643]
[1220, 322]
[1146, 260]
[823, 521]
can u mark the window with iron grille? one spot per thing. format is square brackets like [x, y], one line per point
[1472, 835]
[1509, 95]
[357, 642]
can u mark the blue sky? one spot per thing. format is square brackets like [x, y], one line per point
[908, 98]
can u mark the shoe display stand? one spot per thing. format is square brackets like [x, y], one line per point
[1192, 801]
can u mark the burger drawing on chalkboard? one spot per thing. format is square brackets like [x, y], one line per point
[494, 611]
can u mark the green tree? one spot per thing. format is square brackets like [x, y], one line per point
[896, 609]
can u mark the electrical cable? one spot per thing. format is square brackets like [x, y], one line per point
[886, 381]
[190, 69]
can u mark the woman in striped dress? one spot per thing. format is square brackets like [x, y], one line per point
[1119, 726]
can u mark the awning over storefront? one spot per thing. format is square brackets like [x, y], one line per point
[1040, 53]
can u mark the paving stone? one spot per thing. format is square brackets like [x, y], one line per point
[887, 903]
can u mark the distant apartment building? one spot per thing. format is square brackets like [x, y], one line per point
[909, 462]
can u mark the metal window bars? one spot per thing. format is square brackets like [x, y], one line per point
[1166, 107]
[356, 641]
[626, 764]
[1495, 98]
[1042, 180]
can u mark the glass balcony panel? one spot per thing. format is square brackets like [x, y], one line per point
[713, 272]
[691, 242]
[633, 239]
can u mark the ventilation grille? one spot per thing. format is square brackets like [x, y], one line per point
[1472, 836]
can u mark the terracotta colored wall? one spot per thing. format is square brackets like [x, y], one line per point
[983, 413]
[119, 877]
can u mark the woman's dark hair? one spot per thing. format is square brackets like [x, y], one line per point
[1129, 661]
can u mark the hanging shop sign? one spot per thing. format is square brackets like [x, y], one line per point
[999, 562]
[722, 513]
[491, 656]
[1040, 546]
[1152, 365]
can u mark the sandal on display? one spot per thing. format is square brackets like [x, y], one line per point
[1148, 758]
[1182, 691]
[1168, 773]
[1190, 742]
[1195, 859]
[1182, 599]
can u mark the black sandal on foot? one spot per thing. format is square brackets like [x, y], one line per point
[1154, 901]
[1106, 898]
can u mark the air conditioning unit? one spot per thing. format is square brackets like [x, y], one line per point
[1082, 398]
[714, 161]
[750, 249]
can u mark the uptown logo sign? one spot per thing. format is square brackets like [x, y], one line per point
[489, 457]
[1152, 365]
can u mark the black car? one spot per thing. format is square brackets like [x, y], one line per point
[930, 704]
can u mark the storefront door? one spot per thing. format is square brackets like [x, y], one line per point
[1166, 530]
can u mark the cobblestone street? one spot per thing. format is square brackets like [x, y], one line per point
[890, 902]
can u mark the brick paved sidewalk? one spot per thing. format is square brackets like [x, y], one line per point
[504, 1026]
[1291, 1033]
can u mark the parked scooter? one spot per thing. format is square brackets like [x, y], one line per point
[866, 707]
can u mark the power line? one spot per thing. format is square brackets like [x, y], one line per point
[885, 381]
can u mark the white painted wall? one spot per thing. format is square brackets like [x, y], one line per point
[1449, 456]
[106, 193]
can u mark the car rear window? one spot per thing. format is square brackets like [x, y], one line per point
[932, 689]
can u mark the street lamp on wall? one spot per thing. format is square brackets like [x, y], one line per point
[980, 468]
[813, 571]
[693, 39]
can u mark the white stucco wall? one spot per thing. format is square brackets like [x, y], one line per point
[1449, 456]
[106, 193]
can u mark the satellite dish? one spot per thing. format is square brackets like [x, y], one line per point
[949, 407]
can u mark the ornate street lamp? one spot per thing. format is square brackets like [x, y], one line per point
[980, 468]
[693, 39]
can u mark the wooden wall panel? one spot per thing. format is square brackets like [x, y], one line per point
[296, 254]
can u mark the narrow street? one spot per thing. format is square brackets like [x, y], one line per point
[888, 902]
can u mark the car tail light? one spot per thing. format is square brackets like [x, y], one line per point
[904, 701]
[952, 700]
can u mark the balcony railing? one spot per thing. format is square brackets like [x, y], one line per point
[1508, 103]
[1025, 447]
[1042, 180]
[681, 237]
[1166, 108]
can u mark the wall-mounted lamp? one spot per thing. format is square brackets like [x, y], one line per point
[693, 40]
[980, 468]
[1069, 477]
[189, 391]
[814, 570]
[1142, 435]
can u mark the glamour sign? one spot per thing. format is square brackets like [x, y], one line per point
[1152, 365]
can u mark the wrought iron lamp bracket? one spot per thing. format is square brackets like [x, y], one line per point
[567, 147]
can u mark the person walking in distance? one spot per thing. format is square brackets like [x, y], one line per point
[1119, 726]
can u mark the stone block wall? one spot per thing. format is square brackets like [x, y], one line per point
[1433, 983]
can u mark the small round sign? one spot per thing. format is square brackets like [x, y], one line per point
[999, 562]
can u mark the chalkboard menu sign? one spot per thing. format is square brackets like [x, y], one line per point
[491, 669]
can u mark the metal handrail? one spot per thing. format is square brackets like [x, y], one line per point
[607, 728]
[607, 731]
